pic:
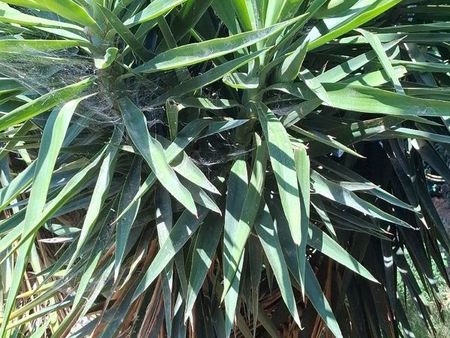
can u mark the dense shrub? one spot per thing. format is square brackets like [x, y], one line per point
[204, 168]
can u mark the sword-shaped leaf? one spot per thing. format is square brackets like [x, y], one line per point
[153, 153]
[283, 164]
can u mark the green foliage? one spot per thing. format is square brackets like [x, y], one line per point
[207, 168]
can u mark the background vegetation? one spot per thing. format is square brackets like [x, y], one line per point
[205, 168]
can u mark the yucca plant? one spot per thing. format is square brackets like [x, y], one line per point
[203, 168]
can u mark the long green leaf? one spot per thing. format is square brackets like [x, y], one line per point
[236, 234]
[16, 186]
[52, 141]
[290, 68]
[325, 139]
[70, 189]
[203, 51]
[237, 186]
[231, 299]
[312, 287]
[125, 34]
[24, 46]
[335, 192]
[302, 166]
[378, 48]
[187, 168]
[283, 164]
[360, 13]
[325, 244]
[367, 99]
[203, 256]
[339, 72]
[164, 224]
[319, 301]
[184, 138]
[11, 15]
[183, 229]
[207, 78]
[71, 10]
[123, 226]
[100, 193]
[154, 10]
[153, 153]
[43, 103]
[272, 247]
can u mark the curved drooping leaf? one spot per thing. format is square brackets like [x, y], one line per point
[43, 103]
[153, 153]
[322, 242]
[335, 192]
